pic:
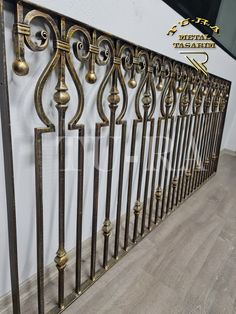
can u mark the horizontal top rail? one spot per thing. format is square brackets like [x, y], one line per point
[91, 27]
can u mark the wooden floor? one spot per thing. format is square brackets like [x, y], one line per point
[185, 266]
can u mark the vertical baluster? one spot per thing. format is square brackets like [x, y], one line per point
[172, 165]
[223, 116]
[196, 168]
[167, 168]
[39, 219]
[211, 142]
[215, 105]
[187, 131]
[219, 138]
[206, 108]
[79, 209]
[207, 147]
[129, 191]
[186, 170]
[192, 160]
[155, 160]
[95, 199]
[113, 99]
[132, 84]
[61, 98]
[147, 177]
[200, 165]
[217, 134]
[138, 206]
[175, 180]
[120, 186]
[218, 104]
[20, 67]
[196, 165]
[158, 193]
[8, 168]
[211, 135]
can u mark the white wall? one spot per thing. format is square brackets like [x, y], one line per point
[143, 22]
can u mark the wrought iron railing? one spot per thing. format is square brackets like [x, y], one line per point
[179, 111]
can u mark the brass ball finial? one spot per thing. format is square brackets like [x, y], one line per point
[179, 89]
[194, 91]
[91, 77]
[20, 67]
[132, 83]
[159, 87]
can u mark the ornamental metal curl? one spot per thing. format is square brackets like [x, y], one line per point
[185, 90]
[146, 88]
[168, 97]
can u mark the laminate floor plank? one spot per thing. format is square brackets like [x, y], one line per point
[187, 265]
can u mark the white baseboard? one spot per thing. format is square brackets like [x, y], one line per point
[29, 287]
[226, 151]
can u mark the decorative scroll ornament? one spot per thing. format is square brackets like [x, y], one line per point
[130, 63]
[160, 73]
[194, 82]
[224, 98]
[205, 85]
[86, 50]
[146, 86]
[61, 58]
[73, 124]
[168, 97]
[185, 97]
[180, 78]
[198, 97]
[216, 97]
[208, 98]
[111, 56]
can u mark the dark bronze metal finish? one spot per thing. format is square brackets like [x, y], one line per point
[179, 113]
[8, 167]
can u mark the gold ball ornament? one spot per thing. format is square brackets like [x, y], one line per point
[132, 83]
[91, 77]
[20, 67]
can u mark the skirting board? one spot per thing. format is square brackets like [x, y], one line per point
[226, 151]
